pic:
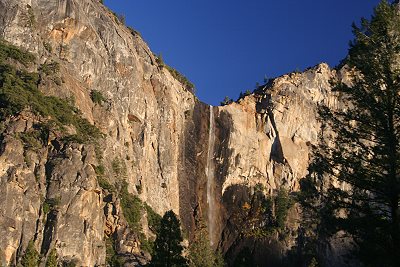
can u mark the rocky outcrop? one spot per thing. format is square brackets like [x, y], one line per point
[156, 138]
[49, 194]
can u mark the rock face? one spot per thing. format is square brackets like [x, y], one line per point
[156, 138]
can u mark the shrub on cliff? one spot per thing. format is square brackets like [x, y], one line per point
[19, 91]
[176, 74]
[97, 97]
[31, 256]
[52, 259]
[227, 100]
[8, 51]
[132, 208]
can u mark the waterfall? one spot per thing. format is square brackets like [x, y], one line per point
[210, 170]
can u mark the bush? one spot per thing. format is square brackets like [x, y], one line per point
[116, 166]
[176, 74]
[31, 139]
[146, 244]
[104, 183]
[52, 259]
[282, 205]
[112, 259]
[31, 256]
[19, 91]
[97, 97]
[50, 68]
[134, 32]
[99, 170]
[153, 218]
[132, 207]
[227, 100]
[9, 51]
[181, 78]
[51, 203]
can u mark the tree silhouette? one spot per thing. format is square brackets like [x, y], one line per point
[360, 145]
[167, 246]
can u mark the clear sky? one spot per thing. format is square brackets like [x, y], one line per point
[226, 46]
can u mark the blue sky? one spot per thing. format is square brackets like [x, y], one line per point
[225, 47]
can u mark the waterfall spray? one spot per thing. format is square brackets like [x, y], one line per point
[210, 170]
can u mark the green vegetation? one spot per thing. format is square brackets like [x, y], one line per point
[19, 91]
[50, 203]
[134, 32]
[241, 95]
[102, 180]
[52, 259]
[176, 74]
[167, 246]
[146, 244]
[105, 184]
[227, 100]
[282, 205]
[360, 148]
[50, 68]
[70, 263]
[263, 215]
[153, 218]
[121, 18]
[117, 166]
[31, 17]
[31, 256]
[181, 78]
[313, 263]
[112, 259]
[132, 208]
[200, 252]
[8, 51]
[31, 139]
[97, 97]
[99, 170]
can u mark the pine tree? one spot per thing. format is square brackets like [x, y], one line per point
[167, 246]
[363, 153]
[201, 253]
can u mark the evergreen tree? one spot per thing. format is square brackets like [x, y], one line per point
[200, 252]
[167, 246]
[363, 152]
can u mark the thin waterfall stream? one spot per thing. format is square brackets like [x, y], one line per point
[210, 170]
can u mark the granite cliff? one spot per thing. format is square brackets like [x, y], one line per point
[172, 151]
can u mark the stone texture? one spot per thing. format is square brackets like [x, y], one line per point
[155, 137]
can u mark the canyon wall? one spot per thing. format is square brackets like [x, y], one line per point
[173, 151]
